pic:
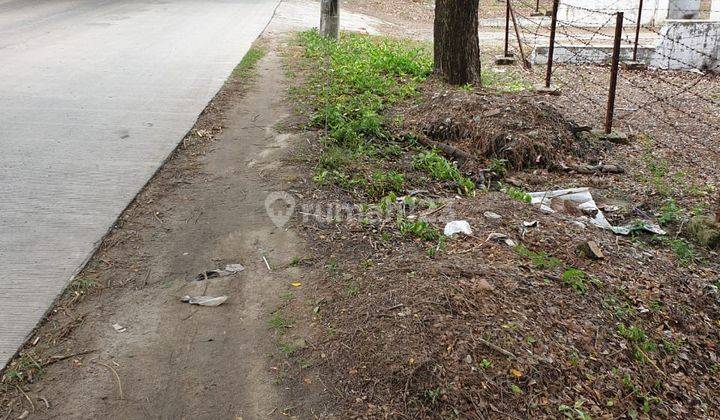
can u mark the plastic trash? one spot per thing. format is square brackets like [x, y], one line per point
[212, 274]
[458, 226]
[119, 328]
[582, 201]
[205, 300]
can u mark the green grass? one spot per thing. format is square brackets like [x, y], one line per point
[442, 169]
[358, 78]
[539, 259]
[246, 67]
[278, 323]
[350, 85]
[419, 228]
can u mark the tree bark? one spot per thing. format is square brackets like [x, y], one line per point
[330, 18]
[457, 48]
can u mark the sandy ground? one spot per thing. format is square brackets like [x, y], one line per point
[204, 209]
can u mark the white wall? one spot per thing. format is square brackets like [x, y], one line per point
[654, 11]
[688, 44]
[715, 10]
[684, 9]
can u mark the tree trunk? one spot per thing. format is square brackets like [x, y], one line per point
[457, 48]
[330, 18]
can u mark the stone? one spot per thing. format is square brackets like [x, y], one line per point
[492, 216]
[544, 90]
[634, 65]
[706, 231]
[592, 250]
[613, 137]
[504, 60]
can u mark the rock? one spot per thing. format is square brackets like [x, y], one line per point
[706, 231]
[483, 284]
[592, 250]
[492, 216]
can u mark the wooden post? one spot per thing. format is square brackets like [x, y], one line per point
[330, 18]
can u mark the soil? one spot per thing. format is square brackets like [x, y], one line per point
[204, 209]
[479, 328]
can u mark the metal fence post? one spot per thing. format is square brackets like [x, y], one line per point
[506, 52]
[614, 74]
[551, 48]
[637, 30]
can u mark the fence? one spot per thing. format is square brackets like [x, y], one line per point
[598, 66]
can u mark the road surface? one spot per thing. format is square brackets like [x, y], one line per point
[94, 95]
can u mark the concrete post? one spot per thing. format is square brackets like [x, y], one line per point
[684, 9]
[715, 10]
[330, 18]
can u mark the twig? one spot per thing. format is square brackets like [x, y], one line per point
[26, 397]
[497, 348]
[266, 263]
[652, 362]
[117, 377]
[55, 359]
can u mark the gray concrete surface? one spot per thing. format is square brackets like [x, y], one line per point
[94, 95]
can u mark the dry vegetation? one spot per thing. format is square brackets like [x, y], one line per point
[409, 323]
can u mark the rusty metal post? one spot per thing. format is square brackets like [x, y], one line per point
[551, 48]
[637, 30]
[537, 7]
[506, 52]
[614, 74]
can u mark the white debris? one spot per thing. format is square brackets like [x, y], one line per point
[585, 203]
[458, 226]
[205, 300]
[119, 328]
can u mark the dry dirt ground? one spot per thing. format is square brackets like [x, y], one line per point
[204, 209]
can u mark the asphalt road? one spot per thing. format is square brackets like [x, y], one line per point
[94, 95]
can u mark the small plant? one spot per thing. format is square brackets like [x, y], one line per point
[498, 167]
[294, 262]
[278, 323]
[518, 194]
[637, 336]
[485, 363]
[539, 259]
[575, 412]
[287, 349]
[287, 296]
[83, 285]
[332, 264]
[669, 212]
[353, 289]
[575, 278]
[439, 247]
[432, 395]
[516, 389]
[443, 170]
[420, 228]
[382, 183]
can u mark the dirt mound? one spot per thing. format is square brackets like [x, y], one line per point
[521, 129]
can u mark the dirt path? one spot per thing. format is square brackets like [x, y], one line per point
[205, 209]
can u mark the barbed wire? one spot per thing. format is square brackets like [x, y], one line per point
[592, 91]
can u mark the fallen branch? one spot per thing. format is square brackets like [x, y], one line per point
[55, 359]
[497, 348]
[591, 169]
